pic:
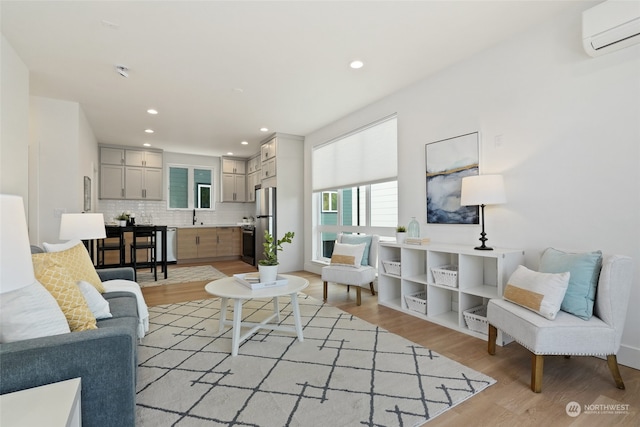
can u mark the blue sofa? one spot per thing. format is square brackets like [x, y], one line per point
[104, 358]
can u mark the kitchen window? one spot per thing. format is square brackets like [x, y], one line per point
[190, 187]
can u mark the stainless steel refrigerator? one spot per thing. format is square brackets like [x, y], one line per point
[265, 217]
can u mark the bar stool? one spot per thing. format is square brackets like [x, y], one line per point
[108, 244]
[144, 237]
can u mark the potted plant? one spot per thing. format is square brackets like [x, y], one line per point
[401, 233]
[122, 219]
[268, 267]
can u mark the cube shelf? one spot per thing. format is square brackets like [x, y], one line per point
[481, 275]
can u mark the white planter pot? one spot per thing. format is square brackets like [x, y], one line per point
[400, 237]
[268, 273]
[123, 223]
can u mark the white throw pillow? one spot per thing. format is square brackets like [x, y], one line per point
[59, 247]
[539, 292]
[348, 255]
[96, 302]
[30, 312]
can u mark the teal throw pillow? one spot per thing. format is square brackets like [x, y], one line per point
[585, 271]
[355, 239]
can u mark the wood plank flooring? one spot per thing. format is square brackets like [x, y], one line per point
[509, 402]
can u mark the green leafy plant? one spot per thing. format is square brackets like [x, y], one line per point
[123, 217]
[401, 229]
[272, 246]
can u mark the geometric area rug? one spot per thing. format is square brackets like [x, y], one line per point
[346, 372]
[180, 275]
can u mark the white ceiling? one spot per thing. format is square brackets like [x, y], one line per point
[219, 71]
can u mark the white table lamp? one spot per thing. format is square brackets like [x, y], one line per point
[482, 190]
[82, 226]
[16, 267]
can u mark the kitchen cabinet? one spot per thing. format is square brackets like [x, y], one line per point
[254, 164]
[234, 188]
[231, 165]
[130, 174]
[111, 181]
[234, 180]
[439, 282]
[143, 183]
[208, 243]
[148, 159]
[253, 179]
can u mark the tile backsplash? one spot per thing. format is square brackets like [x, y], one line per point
[158, 214]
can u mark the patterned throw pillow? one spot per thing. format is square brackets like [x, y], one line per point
[65, 291]
[77, 263]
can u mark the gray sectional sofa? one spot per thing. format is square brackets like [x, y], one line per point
[104, 358]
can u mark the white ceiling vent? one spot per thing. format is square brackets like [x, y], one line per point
[610, 26]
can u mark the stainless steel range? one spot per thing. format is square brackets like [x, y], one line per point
[249, 244]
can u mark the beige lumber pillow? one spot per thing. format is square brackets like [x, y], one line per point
[539, 292]
[347, 254]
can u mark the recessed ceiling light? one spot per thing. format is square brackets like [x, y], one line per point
[148, 130]
[229, 153]
[152, 111]
[264, 130]
[356, 64]
[146, 144]
[244, 143]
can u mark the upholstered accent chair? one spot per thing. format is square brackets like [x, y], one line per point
[359, 276]
[567, 334]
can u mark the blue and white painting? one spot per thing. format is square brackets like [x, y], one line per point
[448, 161]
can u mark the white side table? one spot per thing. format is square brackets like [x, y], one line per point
[229, 288]
[52, 405]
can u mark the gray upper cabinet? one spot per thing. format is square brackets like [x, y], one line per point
[130, 174]
[234, 180]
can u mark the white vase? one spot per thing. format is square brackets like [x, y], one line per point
[268, 273]
[400, 237]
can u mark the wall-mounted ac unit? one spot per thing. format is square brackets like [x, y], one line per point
[610, 26]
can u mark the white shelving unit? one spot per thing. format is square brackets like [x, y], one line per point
[481, 275]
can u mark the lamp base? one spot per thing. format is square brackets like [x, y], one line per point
[483, 248]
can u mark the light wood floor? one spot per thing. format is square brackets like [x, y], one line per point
[509, 402]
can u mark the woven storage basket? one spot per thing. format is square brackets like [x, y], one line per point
[446, 275]
[476, 319]
[392, 267]
[417, 302]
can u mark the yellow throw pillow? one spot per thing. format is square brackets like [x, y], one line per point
[65, 291]
[77, 263]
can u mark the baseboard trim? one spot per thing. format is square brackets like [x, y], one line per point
[629, 356]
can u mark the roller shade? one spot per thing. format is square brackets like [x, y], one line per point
[365, 156]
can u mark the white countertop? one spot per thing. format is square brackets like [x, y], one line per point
[238, 224]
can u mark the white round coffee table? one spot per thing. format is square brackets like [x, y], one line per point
[229, 288]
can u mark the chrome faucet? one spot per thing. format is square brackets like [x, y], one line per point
[194, 218]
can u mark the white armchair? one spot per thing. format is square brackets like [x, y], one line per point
[569, 335]
[361, 276]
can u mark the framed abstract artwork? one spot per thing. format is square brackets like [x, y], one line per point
[447, 162]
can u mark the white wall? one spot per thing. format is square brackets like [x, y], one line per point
[14, 128]
[64, 150]
[563, 129]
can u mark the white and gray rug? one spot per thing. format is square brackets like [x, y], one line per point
[347, 372]
[179, 275]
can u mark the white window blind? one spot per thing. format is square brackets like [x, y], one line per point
[365, 156]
